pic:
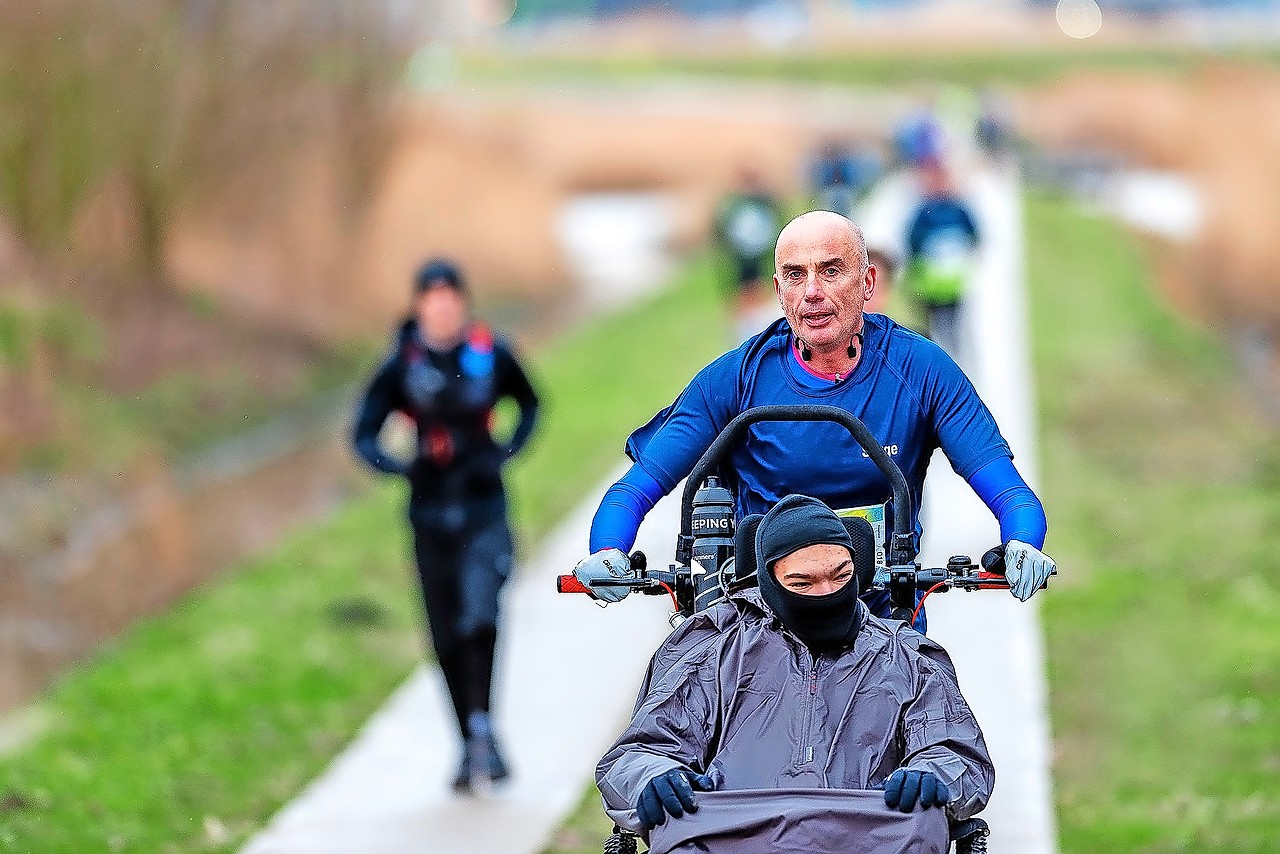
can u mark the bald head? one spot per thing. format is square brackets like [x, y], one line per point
[822, 279]
[822, 227]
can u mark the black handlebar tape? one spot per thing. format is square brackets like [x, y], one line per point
[993, 560]
[926, 578]
[902, 509]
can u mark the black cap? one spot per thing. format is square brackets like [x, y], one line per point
[439, 270]
[795, 522]
[827, 622]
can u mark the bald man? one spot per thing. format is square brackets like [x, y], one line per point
[826, 350]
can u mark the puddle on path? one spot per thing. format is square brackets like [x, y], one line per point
[618, 245]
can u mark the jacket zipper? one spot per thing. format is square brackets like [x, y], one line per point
[806, 749]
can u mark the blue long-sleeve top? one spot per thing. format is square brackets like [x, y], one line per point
[998, 484]
[906, 390]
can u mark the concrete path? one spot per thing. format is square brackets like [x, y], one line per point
[566, 685]
[994, 639]
[568, 679]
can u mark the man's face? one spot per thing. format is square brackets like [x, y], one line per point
[820, 280]
[442, 311]
[815, 570]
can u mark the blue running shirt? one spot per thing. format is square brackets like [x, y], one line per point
[908, 392]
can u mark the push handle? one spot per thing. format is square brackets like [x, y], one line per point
[902, 549]
[639, 566]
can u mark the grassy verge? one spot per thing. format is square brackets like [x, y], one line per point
[864, 68]
[186, 734]
[1164, 496]
[97, 403]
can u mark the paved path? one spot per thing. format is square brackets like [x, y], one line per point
[566, 685]
[994, 639]
[564, 692]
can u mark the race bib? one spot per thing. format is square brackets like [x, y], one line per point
[875, 515]
[752, 229]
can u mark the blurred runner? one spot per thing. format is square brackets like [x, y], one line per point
[840, 175]
[446, 372]
[941, 241]
[993, 128]
[919, 138]
[887, 268]
[746, 225]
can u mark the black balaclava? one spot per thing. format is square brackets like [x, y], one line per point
[439, 270]
[827, 623]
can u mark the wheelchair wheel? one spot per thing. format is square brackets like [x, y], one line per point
[971, 836]
[621, 842]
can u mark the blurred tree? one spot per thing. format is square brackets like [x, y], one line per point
[155, 102]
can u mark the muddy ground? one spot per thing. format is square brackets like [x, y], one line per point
[1221, 127]
[482, 176]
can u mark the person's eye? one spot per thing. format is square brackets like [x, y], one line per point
[831, 272]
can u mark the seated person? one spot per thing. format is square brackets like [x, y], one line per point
[795, 685]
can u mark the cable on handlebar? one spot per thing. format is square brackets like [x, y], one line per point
[675, 603]
[920, 604]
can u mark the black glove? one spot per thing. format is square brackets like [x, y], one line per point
[670, 794]
[904, 787]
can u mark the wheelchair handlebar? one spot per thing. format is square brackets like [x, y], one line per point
[960, 573]
[902, 547]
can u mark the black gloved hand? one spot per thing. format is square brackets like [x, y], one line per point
[670, 794]
[905, 787]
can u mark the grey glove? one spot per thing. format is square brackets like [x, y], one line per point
[605, 565]
[1027, 568]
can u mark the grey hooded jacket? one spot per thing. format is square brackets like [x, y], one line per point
[732, 694]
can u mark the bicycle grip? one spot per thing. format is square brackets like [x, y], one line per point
[993, 560]
[571, 584]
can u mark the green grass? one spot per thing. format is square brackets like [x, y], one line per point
[99, 419]
[870, 67]
[187, 733]
[155, 421]
[1163, 489]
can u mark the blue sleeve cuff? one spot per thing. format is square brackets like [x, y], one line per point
[1004, 491]
[623, 508]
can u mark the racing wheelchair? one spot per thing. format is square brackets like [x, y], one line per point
[714, 557]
